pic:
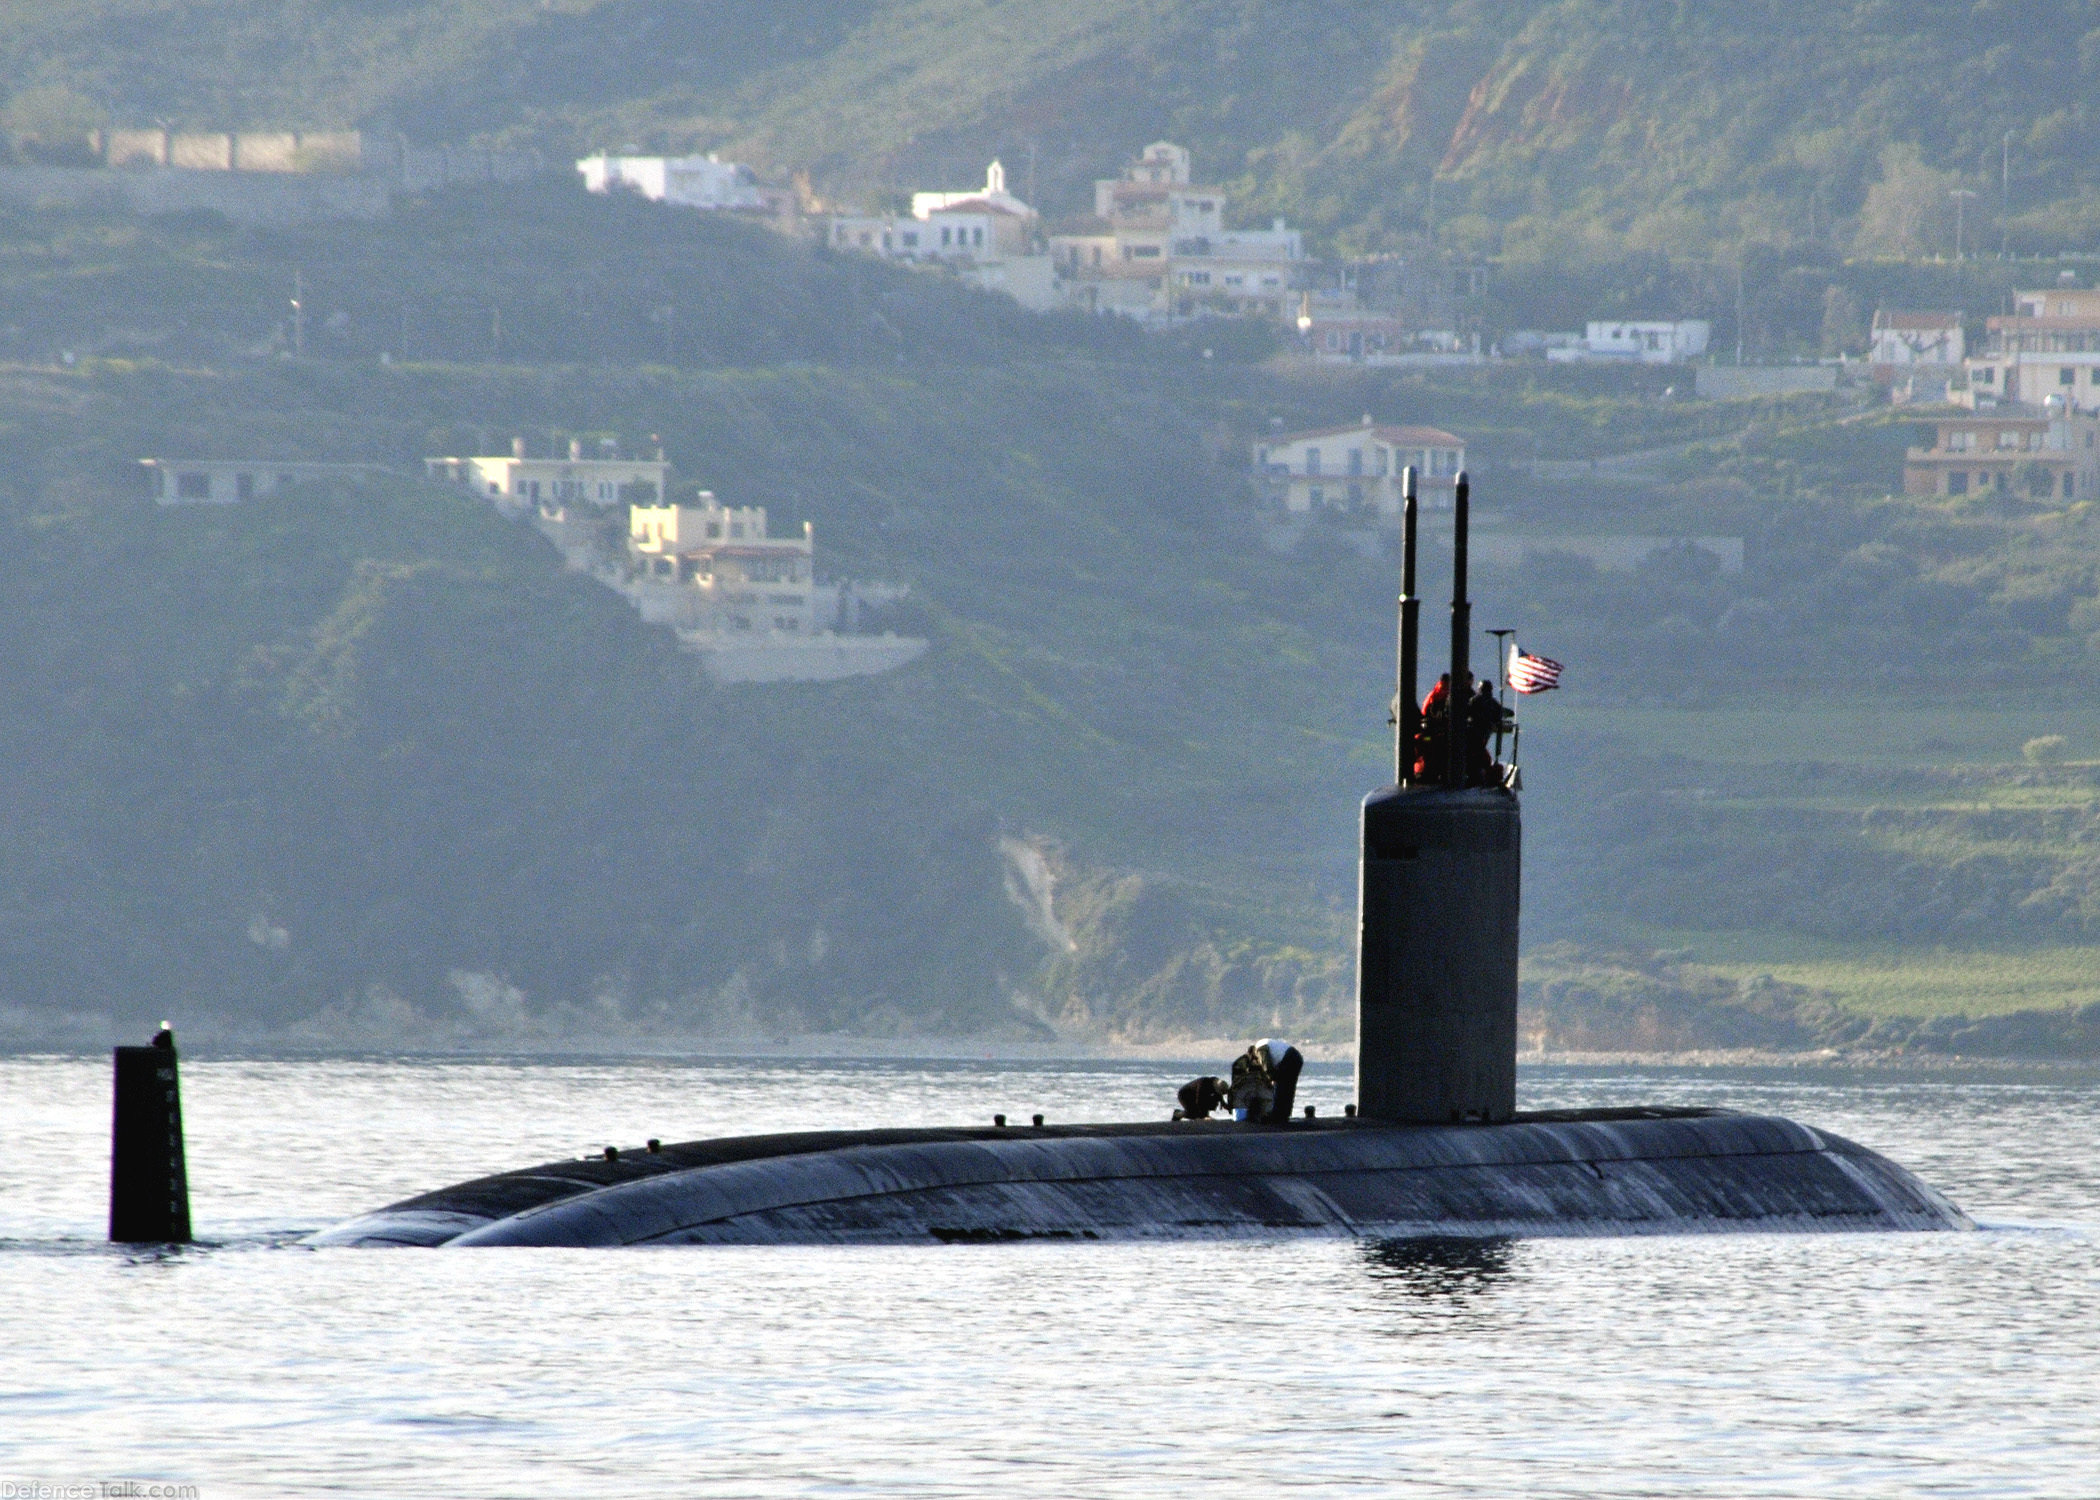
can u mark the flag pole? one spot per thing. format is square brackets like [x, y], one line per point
[1501, 682]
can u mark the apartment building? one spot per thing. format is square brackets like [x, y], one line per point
[1160, 246]
[2042, 456]
[2049, 346]
[514, 481]
[1357, 469]
[729, 577]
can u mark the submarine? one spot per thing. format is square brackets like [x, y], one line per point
[1433, 1145]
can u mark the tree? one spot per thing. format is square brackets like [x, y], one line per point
[1844, 328]
[1904, 212]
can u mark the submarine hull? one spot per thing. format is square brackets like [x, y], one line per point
[1604, 1172]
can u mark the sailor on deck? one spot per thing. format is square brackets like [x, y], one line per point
[1265, 1081]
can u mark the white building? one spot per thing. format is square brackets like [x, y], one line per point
[686, 181]
[748, 604]
[1358, 469]
[2048, 348]
[1639, 341]
[984, 235]
[227, 481]
[983, 224]
[515, 481]
[1162, 247]
[993, 195]
[1901, 341]
[712, 569]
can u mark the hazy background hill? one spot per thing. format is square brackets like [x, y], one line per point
[1550, 127]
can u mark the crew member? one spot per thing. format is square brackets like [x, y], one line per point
[1429, 740]
[1200, 1097]
[1265, 1082]
[1483, 719]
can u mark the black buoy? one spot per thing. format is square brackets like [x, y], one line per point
[149, 1188]
[1436, 970]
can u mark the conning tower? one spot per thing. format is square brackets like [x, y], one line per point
[1437, 894]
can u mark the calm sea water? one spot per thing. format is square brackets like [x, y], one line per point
[1730, 1366]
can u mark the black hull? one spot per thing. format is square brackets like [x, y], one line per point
[1597, 1172]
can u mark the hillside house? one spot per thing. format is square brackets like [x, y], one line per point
[2038, 457]
[515, 481]
[1357, 470]
[703, 182]
[731, 577]
[1646, 341]
[1902, 342]
[985, 235]
[228, 481]
[2048, 347]
[972, 225]
[1369, 338]
[1160, 246]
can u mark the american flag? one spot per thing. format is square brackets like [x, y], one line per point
[1532, 674]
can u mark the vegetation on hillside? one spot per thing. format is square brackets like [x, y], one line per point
[366, 765]
[1543, 130]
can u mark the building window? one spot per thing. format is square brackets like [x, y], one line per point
[193, 486]
[911, 239]
[244, 486]
[2067, 484]
[1319, 495]
[977, 238]
[1356, 460]
[1988, 375]
[1356, 495]
[1312, 460]
[2066, 375]
[1957, 482]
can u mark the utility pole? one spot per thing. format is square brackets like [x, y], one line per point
[1961, 197]
[1739, 309]
[2004, 194]
[496, 332]
[298, 314]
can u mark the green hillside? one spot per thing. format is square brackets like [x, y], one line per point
[367, 766]
[1551, 128]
